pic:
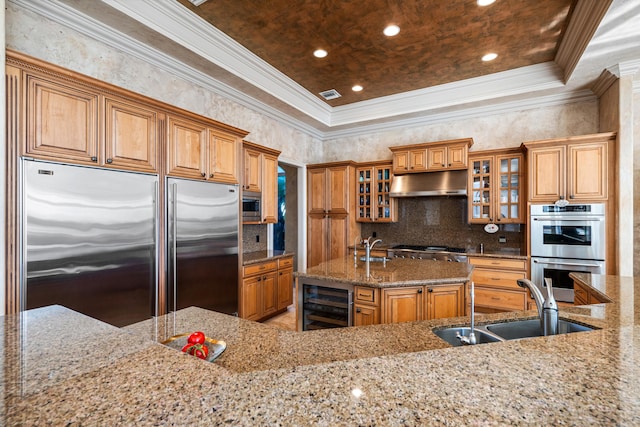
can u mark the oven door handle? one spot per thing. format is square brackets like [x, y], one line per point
[568, 219]
[566, 263]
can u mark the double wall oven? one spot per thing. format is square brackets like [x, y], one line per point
[566, 239]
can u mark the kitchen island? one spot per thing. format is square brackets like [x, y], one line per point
[61, 367]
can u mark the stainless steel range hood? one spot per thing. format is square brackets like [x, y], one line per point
[445, 183]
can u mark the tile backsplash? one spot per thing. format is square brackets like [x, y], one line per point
[254, 237]
[441, 221]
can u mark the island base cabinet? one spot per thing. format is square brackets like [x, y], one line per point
[445, 301]
[410, 304]
[366, 306]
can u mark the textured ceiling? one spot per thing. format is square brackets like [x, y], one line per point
[439, 42]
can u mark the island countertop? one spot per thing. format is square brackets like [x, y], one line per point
[395, 273]
[372, 375]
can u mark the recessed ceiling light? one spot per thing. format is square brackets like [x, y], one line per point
[320, 53]
[489, 57]
[356, 88]
[485, 2]
[391, 30]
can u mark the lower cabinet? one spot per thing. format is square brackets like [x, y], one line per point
[584, 296]
[496, 287]
[408, 304]
[267, 288]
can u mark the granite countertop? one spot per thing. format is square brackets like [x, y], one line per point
[372, 375]
[396, 272]
[256, 257]
[512, 253]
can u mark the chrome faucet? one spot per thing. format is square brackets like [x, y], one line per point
[471, 339]
[355, 249]
[367, 252]
[547, 308]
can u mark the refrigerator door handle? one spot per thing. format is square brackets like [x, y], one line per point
[174, 243]
[156, 238]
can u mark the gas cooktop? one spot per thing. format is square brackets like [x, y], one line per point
[429, 248]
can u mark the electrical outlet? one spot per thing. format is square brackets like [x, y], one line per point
[375, 234]
[502, 239]
[257, 238]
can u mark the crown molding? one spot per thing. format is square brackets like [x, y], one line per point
[584, 22]
[523, 80]
[499, 107]
[603, 82]
[625, 68]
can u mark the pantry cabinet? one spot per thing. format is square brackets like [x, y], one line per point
[331, 222]
[496, 287]
[413, 303]
[260, 175]
[496, 184]
[576, 169]
[373, 182]
[431, 157]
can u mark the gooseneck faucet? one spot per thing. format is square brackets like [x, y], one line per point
[367, 252]
[355, 249]
[471, 339]
[547, 308]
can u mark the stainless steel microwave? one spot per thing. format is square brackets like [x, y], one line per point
[251, 206]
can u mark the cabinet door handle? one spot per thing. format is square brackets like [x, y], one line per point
[259, 279]
[109, 161]
[94, 159]
[203, 174]
[419, 291]
[281, 273]
[358, 310]
[430, 289]
[210, 175]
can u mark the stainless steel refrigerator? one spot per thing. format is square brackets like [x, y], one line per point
[89, 240]
[202, 245]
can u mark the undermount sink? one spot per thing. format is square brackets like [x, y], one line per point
[504, 331]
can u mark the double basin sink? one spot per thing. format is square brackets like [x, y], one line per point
[504, 331]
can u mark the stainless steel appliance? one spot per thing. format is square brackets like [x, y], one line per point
[89, 241]
[251, 210]
[202, 245]
[566, 239]
[434, 252]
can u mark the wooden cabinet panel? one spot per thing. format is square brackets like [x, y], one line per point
[317, 242]
[316, 191]
[222, 154]
[269, 293]
[587, 172]
[445, 301]
[402, 304]
[547, 174]
[401, 162]
[338, 236]
[437, 158]
[269, 189]
[186, 145]
[418, 160]
[130, 135]
[251, 298]
[502, 263]
[500, 299]
[366, 315]
[252, 170]
[496, 287]
[339, 181]
[62, 121]
[285, 288]
[457, 155]
[499, 278]
[373, 182]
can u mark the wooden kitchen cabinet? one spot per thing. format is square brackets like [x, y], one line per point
[585, 296]
[197, 151]
[575, 168]
[259, 293]
[496, 184]
[285, 282]
[373, 182]
[409, 304]
[496, 287]
[331, 222]
[366, 306]
[261, 175]
[431, 156]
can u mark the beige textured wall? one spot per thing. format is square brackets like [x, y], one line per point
[636, 183]
[27, 31]
[491, 131]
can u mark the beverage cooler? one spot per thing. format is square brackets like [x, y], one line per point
[326, 307]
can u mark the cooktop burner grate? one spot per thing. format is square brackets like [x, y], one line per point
[427, 248]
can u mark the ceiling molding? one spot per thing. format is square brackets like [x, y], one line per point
[77, 21]
[498, 107]
[603, 82]
[493, 86]
[584, 22]
[626, 68]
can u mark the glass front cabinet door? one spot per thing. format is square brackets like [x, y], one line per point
[373, 203]
[495, 188]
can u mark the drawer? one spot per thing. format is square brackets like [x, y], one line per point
[500, 279]
[494, 298]
[369, 295]
[250, 270]
[285, 262]
[511, 264]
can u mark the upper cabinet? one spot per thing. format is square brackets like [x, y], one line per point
[431, 156]
[576, 168]
[199, 151]
[260, 175]
[496, 187]
[373, 181]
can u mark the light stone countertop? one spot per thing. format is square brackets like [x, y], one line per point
[256, 257]
[61, 368]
